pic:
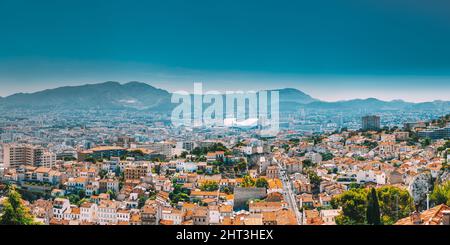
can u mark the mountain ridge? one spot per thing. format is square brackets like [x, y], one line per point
[143, 96]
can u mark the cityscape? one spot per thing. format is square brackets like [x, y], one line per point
[218, 121]
[116, 164]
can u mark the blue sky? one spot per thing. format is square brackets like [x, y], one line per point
[333, 50]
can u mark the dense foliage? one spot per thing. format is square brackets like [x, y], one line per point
[209, 185]
[14, 211]
[262, 183]
[393, 204]
[441, 194]
[179, 194]
[373, 208]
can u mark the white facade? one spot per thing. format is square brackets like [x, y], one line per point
[364, 176]
[123, 216]
[214, 216]
[88, 212]
[107, 213]
[175, 216]
[60, 206]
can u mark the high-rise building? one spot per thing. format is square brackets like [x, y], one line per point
[371, 122]
[15, 155]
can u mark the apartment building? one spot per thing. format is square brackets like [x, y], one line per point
[102, 152]
[88, 212]
[136, 170]
[15, 155]
[60, 206]
[371, 122]
[163, 148]
[107, 212]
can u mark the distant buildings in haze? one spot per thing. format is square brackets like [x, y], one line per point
[370, 122]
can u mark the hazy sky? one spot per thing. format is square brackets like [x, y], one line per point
[333, 50]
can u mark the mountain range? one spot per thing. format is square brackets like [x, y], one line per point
[142, 96]
[108, 95]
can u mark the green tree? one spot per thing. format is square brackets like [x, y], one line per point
[141, 201]
[373, 208]
[81, 194]
[90, 159]
[157, 169]
[353, 203]
[226, 189]
[183, 154]
[179, 194]
[67, 159]
[441, 194]
[327, 156]
[425, 142]
[14, 211]
[117, 171]
[137, 152]
[262, 182]
[314, 178]
[242, 165]
[395, 203]
[73, 198]
[307, 163]
[248, 182]
[360, 158]
[209, 185]
[103, 173]
[112, 194]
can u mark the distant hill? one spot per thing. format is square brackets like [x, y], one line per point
[113, 95]
[141, 96]
[108, 95]
[294, 95]
[370, 104]
[361, 104]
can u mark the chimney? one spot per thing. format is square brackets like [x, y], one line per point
[446, 217]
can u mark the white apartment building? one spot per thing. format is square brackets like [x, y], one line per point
[60, 206]
[73, 213]
[172, 214]
[107, 212]
[15, 155]
[214, 215]
[314, 157]
[123, 215]
[364, 176]
[88, 212]
[44, 175]
[48, 159]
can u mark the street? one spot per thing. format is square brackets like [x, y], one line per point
[289, 195]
